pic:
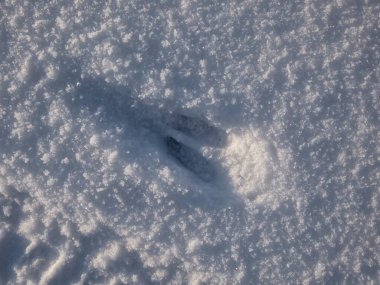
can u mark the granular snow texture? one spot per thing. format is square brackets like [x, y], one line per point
[189, 142]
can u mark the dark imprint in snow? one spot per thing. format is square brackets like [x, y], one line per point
[199, 129]
[190, 159]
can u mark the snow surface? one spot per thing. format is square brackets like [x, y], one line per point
[189, 142]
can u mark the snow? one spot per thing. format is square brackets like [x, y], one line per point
[189, 142]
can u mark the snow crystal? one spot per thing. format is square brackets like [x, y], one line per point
[112, 157]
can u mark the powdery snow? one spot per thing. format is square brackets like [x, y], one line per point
[189, 142]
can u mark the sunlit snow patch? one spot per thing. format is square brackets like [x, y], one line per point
[249, 159]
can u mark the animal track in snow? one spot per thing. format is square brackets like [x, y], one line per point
[203, 133]
[197, 128]
[240, 159]
[247, 158]
[190, 159]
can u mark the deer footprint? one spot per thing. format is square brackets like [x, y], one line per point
[204, 134]
[198, 129]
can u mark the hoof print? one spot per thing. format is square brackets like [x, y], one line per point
[190, 159]
[199, 129]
